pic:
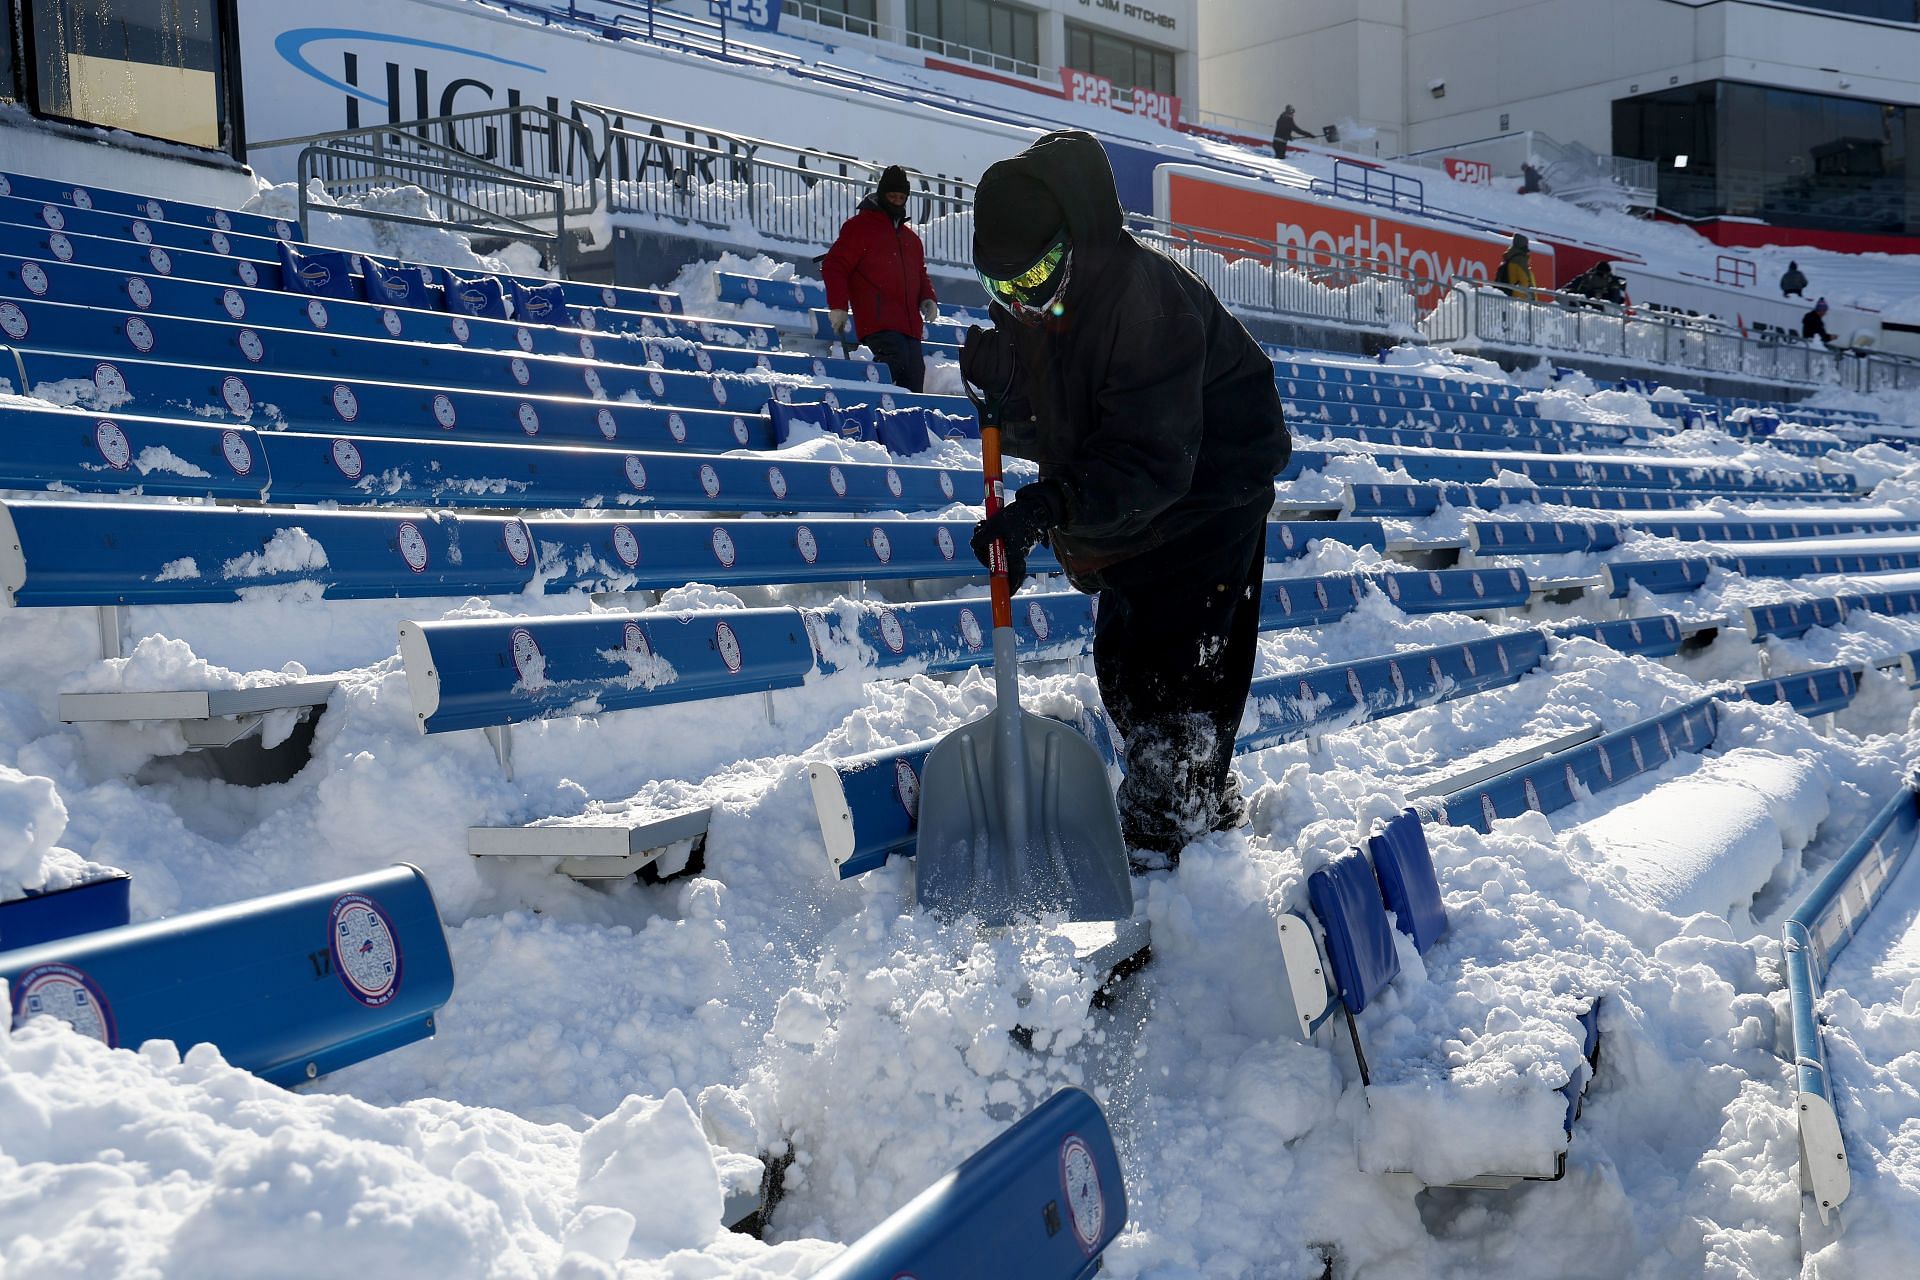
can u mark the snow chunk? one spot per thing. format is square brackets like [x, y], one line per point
[291, 550]
[650, 1160]
[32, 820]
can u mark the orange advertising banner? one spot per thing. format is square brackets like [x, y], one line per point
[1329, 232]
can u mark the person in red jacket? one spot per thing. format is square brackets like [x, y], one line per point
[877, 269]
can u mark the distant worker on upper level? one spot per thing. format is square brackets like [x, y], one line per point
[1599, 283]
[1515, 272]
[1531, 182]
[1285, 130]
[1814, 324]
[1793, 282]
[878, 267]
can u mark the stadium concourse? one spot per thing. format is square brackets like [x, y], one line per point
[621, 619]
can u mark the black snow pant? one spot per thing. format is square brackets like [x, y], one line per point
[1173, 648]
[903, 356]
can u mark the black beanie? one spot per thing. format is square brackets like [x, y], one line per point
[1015, 219]
[895, 179]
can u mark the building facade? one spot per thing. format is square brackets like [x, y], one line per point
[1798, 114]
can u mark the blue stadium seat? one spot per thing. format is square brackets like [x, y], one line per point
[289, 986]
[1654, 636]
[1411, 890]
[1811, 693]
[1359, 940]
[47, 915]
[1040, 1202]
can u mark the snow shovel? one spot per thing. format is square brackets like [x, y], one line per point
[1017, 816]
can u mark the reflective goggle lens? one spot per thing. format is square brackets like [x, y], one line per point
[1034, 277]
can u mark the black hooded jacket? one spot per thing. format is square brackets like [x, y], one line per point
[1149, 402]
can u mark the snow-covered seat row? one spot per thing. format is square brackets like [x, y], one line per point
[97, 553]
[905, 431]
[1520, 537]
[125, 455]
[1656, 635]
[1537, 435]
[317, 402]
[37, 325]
[1040, 1202]
[289, 986]
[1375, 501]
[56, 281]
[934, 636]
[1792, 618]
[1416, 437]
[1686, 573]
[247, 260]
[865, 803]
[1651, 473]
[1559, 778]
[1352, 961]
[1811, 939]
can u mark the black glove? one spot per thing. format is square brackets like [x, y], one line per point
[987, 362]
[1035, 512]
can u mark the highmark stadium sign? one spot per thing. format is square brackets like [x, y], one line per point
[382, 61]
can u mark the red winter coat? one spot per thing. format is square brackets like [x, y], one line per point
[880, 267]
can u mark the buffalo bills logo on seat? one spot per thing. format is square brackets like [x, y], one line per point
[444, 412]
[723, 548]
[113, 446]
[316, 275]
[473, 298]
[34, 277]
[221, 245]
[345, 403]
[239, 400]
[347, 458]
[62, 248]
[626, 546]
[238, 453]
[709, 480]
[234, 303]
[807, 545]
[970, 629]
[1038, 620]
[13, 321]
[636, 473]
[891, 632]
[529, 418]
[413, 546]
[528, 662]
[251, 347]
[366, 949]
[634, 644]
[943, 539]
[107, 380]
[539, 306]
[609, 426]
[518, 540]
[390, 321]
[881, 544]
[838, 479]
[139, 334]
[398, 288]
[776, 482]
[67, 994]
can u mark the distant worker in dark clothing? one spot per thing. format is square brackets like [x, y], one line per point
[1599, 283]
[1814, 324]
[1514, 275]
[878, 268]
[1530, 183]
[1793, 282]
[1285, 130]
[1156, 424]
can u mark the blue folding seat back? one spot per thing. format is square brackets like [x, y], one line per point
[399, 286]
[476, 296]
[1404, 866]
[1360, 948]
[327, 273]
[43, 915]
[902, 431]
[785, 417]
[539, 304]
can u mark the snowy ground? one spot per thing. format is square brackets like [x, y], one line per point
[608, 1054]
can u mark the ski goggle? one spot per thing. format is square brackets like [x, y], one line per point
[1034, 287]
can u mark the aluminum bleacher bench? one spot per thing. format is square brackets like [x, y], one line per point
[1040, 1202]
[1352, 959]
[290, 986]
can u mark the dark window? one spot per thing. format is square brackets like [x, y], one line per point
[152, 67]
[858, 16]
[1127, 63]
[1889, 10]
[1787, 157]
[9, 50]
[990, 32]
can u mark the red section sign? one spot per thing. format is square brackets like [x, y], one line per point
[1477, 173]
[1085, 86]
[1330, 232]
